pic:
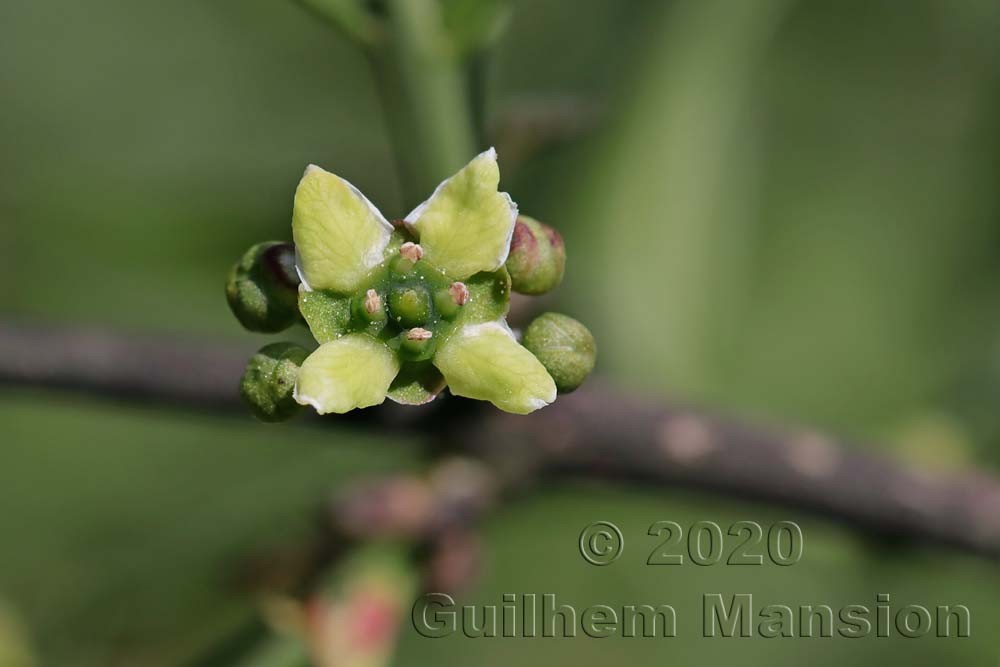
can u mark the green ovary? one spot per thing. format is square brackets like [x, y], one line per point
[409, 306]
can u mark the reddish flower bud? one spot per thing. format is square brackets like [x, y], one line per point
[262, 288]
[537, 257]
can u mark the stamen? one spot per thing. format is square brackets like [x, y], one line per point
[411, 251]
[372, 301]
[459, 293]
[417, 333]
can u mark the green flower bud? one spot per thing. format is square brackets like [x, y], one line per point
[262, 288]
[537, 257]
[565, 347]
[410, 306]
[269, 381]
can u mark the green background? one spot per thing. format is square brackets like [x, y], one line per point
[786, 209]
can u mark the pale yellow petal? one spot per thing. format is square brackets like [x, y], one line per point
[466, 225]
[485, 362]
[339, 235]
[353, 371]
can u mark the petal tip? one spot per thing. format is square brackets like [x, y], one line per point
[307, 400]
[312, 169]
[539, 403]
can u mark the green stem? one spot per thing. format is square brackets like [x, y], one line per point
[423, 89]
[348, 16]
[476, 75]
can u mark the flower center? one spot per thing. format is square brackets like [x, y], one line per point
[407, 303]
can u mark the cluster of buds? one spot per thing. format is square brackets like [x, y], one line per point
[403, 309]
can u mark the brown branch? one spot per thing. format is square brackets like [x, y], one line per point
[175, 370]
[605, 434]
[595, 432]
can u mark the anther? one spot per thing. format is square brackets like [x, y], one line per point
[459, 293]
[372, 301]
[418, 333]
[411, 251]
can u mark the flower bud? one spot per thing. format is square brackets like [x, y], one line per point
[537, 257]
[565, 347]
[262, 288]
[268, 383]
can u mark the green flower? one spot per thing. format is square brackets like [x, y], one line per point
[403, 310]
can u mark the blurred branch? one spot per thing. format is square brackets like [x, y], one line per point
[174, 370]
[606, 434]
[596, 432]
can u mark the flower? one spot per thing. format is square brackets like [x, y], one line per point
[403, 310]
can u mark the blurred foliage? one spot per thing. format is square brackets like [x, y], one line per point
[791, 210]
[130, 529]
[15, 650]
[820, 195]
